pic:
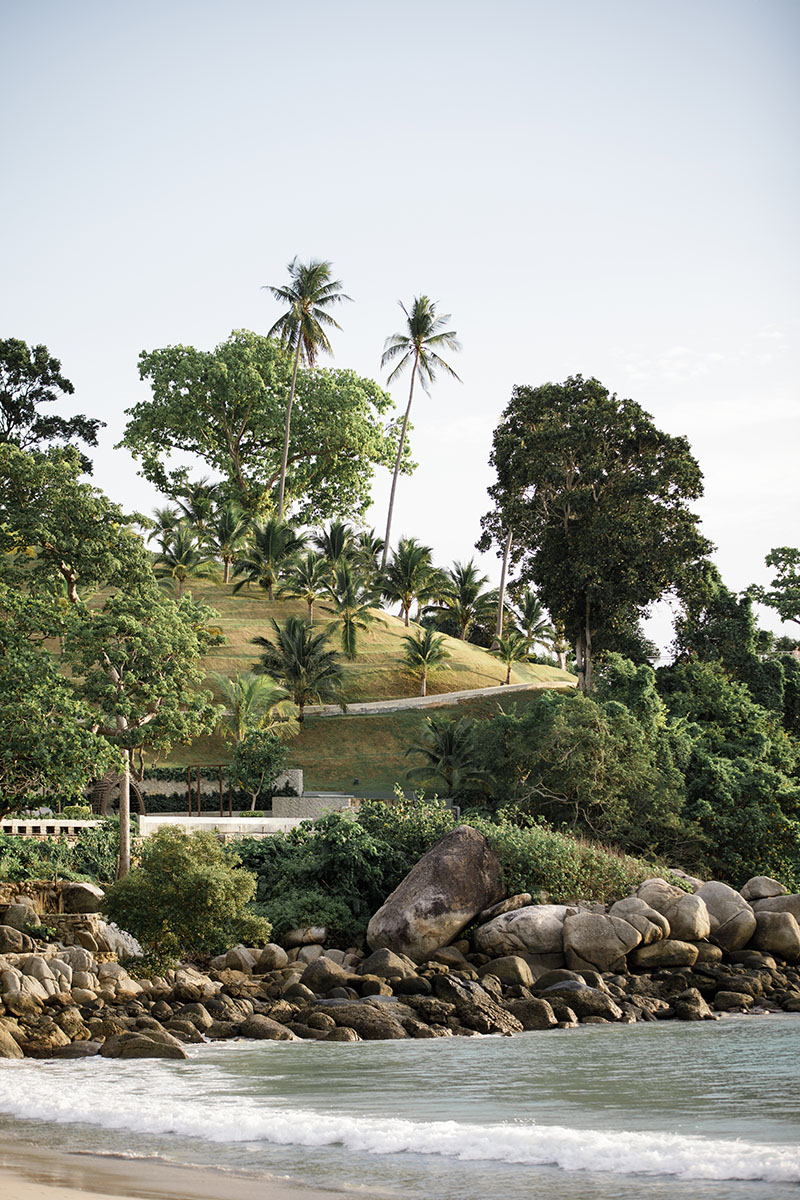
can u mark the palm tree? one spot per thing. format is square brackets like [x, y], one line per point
[310, 292]
[275, 545]
[353, 602]
[463, 598]
[163, 523]
[302, 662]
[336, 542]
[198, 502]
[255, 702]
[512, 647]
[227, 534]
[448, 748]
[417, 345]
[425, 651]
[308, 580]
[367, 551]
[410, 576]
[181, 558]
[533, 622]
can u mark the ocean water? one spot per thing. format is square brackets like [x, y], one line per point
[707, 1111]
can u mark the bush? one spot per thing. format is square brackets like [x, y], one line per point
[93, 855]
[188, 896]
[77, 812]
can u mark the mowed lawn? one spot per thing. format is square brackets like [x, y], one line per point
[333, 751]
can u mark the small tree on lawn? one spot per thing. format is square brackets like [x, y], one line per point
[258, 760]
[424, 652]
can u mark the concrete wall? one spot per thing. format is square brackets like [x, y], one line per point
[310, 806]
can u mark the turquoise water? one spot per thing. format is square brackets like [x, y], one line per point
[665, 1110]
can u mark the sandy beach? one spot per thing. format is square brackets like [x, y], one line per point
[30, 1172]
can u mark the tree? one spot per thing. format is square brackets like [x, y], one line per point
[258, 760]
[448, 749]
[307, 578]
[48, 752]
[188, 896]
[533, 622]
[227, 407]
[29, 378]
[463, 597]
[410, 576]
[424, 652]
[275, 545]
[417, 346]
[303, 662]
[335, 543]
[511, 647]
[254, 703]
[598, 500]
[784, 592]
[353, 601]
[181, 558]
[301, 329]
[227, 534]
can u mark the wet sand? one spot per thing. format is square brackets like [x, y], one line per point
[31, 1172]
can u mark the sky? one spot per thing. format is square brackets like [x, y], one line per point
[604, 188]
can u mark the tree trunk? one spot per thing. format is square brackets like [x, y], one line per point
[125, 819]
[508, 674]
[498, 633]
[227, 572]
[397, 464]
[424, 689]
[282, 485]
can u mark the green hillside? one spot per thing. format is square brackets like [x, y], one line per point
[333, 751]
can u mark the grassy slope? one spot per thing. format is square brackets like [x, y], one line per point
[333, 751]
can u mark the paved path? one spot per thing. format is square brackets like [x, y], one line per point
[371, 707]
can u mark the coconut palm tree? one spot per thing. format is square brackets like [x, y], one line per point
[255, 702]
[302, 662]
[448, 749]
[181, 558]
[463, 599]
[335, 543]
[368, 549]
[512, 647]
[417, 347]
[227, 534]
[197, 502]
[533, 622]
[163, 523]
[410, 576]
[353, 602]
[424, 652]
[275, 544]
[307, 579]
[301, 328]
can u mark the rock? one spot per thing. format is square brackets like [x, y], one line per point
[762, 887]
[240, 959]
[458, 878]
[141, 1045]
[77, 957]
[21, 915]
[533, 1013]
[81, 897]
[689, 1005]
[342, 1034]
[309, 954]
[652, 925]
[475, 1007]
[450, 956]
[687, 914]
[583, 1000]
[86, 1049]
[522, 900]
[598, 941]
[733, 922]
[708, 953]
[789, 903]
[693, 882]
[322, 975]
[668, 953]
[310, 935]
[388, 965]
[777, 933]
[509, 969]
[13, 941]
[8, 1047]
[265, 1029]
[197, 1014]
[537, 929]
[271, 958]
[726, 1001]
[368, 1021]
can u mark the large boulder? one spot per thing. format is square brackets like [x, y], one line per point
[687, 914]
[667, 953]
[652, 925]
[458, 878]
[777, 933]
[598, 942]
[81, 897]
[789, 903]
[762, 887]
[22, 914]
[475, 1006]
[534, 929]
[733, 922]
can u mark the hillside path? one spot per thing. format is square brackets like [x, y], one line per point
[370, 707]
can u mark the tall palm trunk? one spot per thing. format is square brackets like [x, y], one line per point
[502, 597]
[397, 464]
[287, 431]
[124, 810]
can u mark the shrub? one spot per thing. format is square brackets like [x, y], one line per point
[93, 855]
[77, 812]
[187, 896]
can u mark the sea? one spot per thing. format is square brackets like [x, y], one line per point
[657, 1111]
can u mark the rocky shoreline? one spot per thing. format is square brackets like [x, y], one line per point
[663, 953]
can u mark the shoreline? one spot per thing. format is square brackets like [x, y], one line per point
[32, 1172]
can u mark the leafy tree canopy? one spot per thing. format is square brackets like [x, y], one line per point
[30, 377]
[597, 498]
[228, 406]
[784, 592]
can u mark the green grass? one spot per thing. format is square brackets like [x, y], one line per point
[335, 750]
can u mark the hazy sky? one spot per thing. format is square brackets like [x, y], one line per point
[607, 187]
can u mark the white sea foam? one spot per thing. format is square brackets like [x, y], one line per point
[149, 1104]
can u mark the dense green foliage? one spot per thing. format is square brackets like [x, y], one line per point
[257, 762]
[93, 855]
[186, 896]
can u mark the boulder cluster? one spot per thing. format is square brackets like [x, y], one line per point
[446, 955]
